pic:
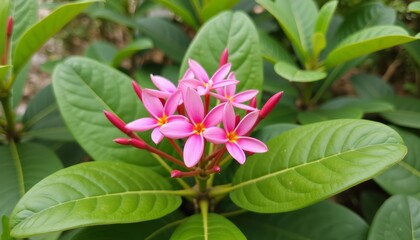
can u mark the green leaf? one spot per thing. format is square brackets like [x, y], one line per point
[272, 50]
[182, 9]
[414, 7]
[366, 105]
[323, 221]
[92, 194]
[43, 120]
[101, 51]
[19, 84]
[313, 162]
[367, 41]
[110, 15]
[166, 36]
[213, 7]
[369, 86]
[236, 32]
[157, 229]
[406, 113]
[25, 14]
[40, 32]
[404, 177]
[268, 132]
[5, 229]
[4, 15]
[294, 74]
[130, 49]
[86, 88]
[397, 219]
[324, 17]
[214, 227]
[370, 201]
[4, 70]
[297, 19]
[21, 167]
[322, 114]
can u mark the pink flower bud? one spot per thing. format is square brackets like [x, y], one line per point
[176, 174]
[137, 89]
[138, 143]
[270, 104]
[122, 141]
[9, 26]
[117, 122]
[224, 57]
[216, 169]
[252, 103]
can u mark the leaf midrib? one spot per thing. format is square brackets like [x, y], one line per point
[261, 178]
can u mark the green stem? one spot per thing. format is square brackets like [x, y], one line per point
[234, 213]
[204, 207]
[11, 133]
[18, 165]
[325, 85]
[169, 169]
[202, 183]
[221, 190]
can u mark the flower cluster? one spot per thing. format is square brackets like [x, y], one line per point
[185, 116]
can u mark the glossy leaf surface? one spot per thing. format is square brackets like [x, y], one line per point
[414, 7]
[371, 87]
[294, 74]
[322, 221]
[214, 227]
[92, 194]
[313, 162]
[366, 105]
[236, 32]
[397, 219]
[320, 114]
[406, 113]
[25, 14]
[39, 33]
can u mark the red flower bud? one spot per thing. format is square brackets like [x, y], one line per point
[138, 143]
[117, 122]
[122, 141]
[224, 57]
[252, 103]
[9, 27]
[270, 105]
[137, 89]
[176, 174]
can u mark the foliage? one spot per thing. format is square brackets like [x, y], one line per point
[232, 129]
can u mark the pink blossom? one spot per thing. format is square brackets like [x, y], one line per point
[235, 136]
[160, 114]
[228, 94]
[202, 83]
[165, 86]
[194, 145]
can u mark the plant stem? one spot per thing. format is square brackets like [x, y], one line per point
[11, 133]
[234, 213]
[18, 165]
[202, 183]
[169, 169]
[204, 207]
[221, 190]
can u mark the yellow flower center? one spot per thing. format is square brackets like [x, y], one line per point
[232, 137]
[162, 120]
[199, 128]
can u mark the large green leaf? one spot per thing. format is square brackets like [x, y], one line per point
[183, 9]
[324, 17]
[370, 202]
[40, 32]
[236, 32]
[42, 118]
[323, 221]
[406, 113]
[157, 229]
[214, 227]
[310, 163]
[101, 51]
[213, 7]
[294, 74]
[414, 7]
[322, 114]
[272, 50]
[397, 219]
[93, 194]
[130, 49]
[85, 89]
[166, 36]
[369, 86]
[366, 105]
[404, 177]
[4, 15]
[367, 41]
[297, 19]
[110, 15]
[21, 166]
[25, 14]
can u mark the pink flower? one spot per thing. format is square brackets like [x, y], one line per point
[194, 146]
[160, 115]
[165, 86]
[227, 94]
[202, 83]
[235, 137]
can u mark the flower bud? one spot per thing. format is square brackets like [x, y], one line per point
[176, 174]
[270, 104]
[253, 104]
[224, 57]
[122, 141]
[138, 143]
[137, 89]
[9, 27]
[117, 122]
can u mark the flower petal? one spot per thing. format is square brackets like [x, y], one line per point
[157, 136]
[158, 94]
[177, 129]
[230, 89]
[194, 106]
[174, 118]
[192, 83]
[142, 124]
[252, 145]
[214, 116]
[193, 150]
[229, 118]
[172, 103]
[188, 74]
[163, 84]
[224, 83]
[215, 135]
[198, 71]
[236, 152]
[246, 124]
[221, 73]
[152, 104]
[243, 106]
[245, 96]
